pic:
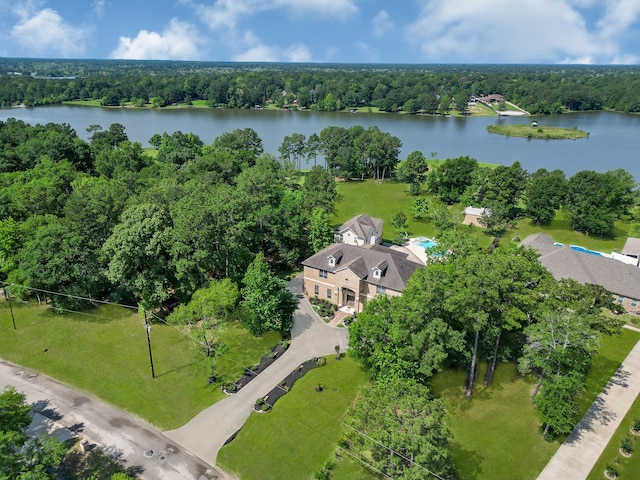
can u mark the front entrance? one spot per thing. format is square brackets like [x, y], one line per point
[348, 297]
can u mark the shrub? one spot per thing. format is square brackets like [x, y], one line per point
[266, 407]
[612, 472]
[636, 425]
[259, 402]
[626, 445]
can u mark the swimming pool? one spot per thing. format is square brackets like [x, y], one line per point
[426, 243]
[578, 248]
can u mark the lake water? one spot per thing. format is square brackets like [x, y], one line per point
[613, 141]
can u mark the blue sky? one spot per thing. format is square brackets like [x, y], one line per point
[345, 31]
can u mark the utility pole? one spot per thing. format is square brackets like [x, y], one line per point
[148, 330]
[8, 298]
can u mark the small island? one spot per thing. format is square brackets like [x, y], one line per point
[535, 131]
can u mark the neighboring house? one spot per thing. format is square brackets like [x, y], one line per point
[621, 279]
[360, 230]
[632, 249]
[348, 275]
[472, 216]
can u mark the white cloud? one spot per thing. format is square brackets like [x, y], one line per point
[45, 32]
[227, 13]
[382, 23]
[526, 31]
[179, 41]
[259, 52]
[619, 15]
[99, 6]
[370, 53]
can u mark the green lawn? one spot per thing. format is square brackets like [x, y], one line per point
[628, 468]
[105, 352]
[300, 433]
[497, 432]
[546, 133]
[384, 200]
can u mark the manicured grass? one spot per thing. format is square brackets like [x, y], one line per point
[84, 103]
[300, 433]
[105, 352]
[560, 230]
[497, 432]
[628, 468]
[545, 133]
[382, 200]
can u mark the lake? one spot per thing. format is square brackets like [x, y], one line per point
[613, 140]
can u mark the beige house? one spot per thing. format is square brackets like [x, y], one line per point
[472, 216]
[349, 275]
[360, 230]
[621, 279]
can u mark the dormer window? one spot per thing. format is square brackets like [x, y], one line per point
[377, 273]
[355, 239]
[332, 262]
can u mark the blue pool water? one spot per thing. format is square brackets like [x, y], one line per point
[578, 248]
[427, 244]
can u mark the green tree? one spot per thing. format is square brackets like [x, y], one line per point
[22, 458]
[266, 298]
[556, 403]
[208, 307]
[420, 207]
[138, 250]
[320, 231]
[399, 223]
[244, 143]
[319, 189]
[441, 218]
[413, 171]
[544, 195]
[401, 430]
[292, 148]
[451, 178]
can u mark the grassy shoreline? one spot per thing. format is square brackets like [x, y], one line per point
[544, 133]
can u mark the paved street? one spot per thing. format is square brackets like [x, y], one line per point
[140, 445]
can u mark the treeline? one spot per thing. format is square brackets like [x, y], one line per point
[594, 200]
[103, 219]
[426, 89]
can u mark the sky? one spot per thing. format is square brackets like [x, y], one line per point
[326, 31]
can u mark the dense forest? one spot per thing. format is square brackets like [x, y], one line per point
[428, 89]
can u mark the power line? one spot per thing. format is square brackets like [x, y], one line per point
[391, 450]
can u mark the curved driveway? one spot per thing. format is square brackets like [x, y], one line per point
[207, 432]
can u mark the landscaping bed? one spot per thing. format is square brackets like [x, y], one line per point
[252, 372]
[325, 309]
[285, 385]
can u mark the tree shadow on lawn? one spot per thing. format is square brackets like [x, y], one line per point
[471, 467]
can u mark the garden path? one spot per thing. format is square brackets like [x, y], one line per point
[576, 457]
[208, 431]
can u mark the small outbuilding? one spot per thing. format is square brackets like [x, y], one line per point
[472, 216]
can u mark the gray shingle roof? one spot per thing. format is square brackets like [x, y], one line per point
[362, 260]
[564, 262]
[362, 225]
[632, 247]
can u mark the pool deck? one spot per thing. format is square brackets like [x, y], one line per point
[414, 250]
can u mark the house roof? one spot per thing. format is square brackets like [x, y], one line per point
[362, 260]
[564, 262]
[362, 225]
[632, 247]
[474, 211]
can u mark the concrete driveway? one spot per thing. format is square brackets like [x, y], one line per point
[206, 433]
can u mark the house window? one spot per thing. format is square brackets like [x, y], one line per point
[328, 293]
[316, 290]
[323, 274]
[620, 298]
[355, 240]
[376, 273]
[380, 290]
[332, 262]
[634, 303]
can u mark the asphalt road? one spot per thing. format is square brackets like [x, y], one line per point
[139, 445]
